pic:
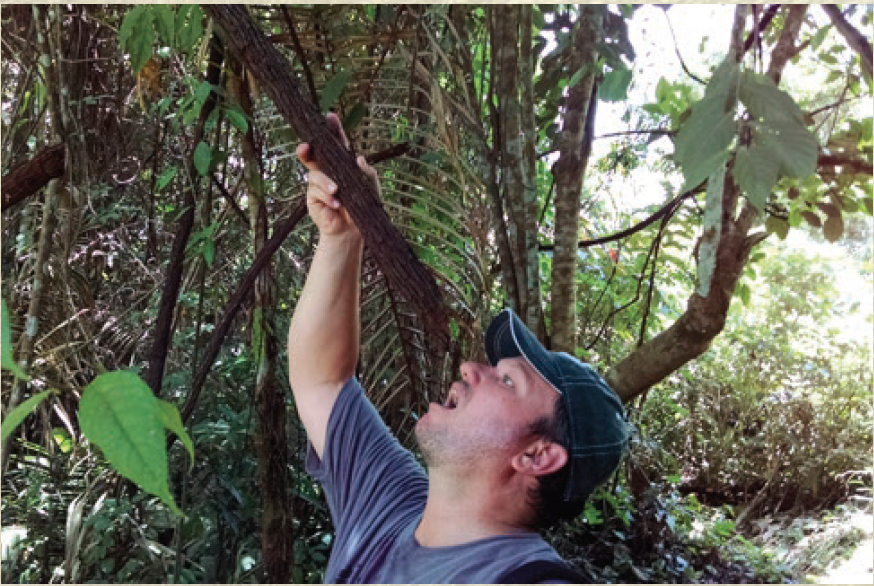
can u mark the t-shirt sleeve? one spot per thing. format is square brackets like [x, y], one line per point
[363, 468]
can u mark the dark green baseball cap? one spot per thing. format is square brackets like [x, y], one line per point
[598, 429]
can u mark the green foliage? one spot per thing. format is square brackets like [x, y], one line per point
[779, 143]
[782, 146]
[333, 89]
[119, 413]
[614, 88]
[8, 362]
[238, 119]
[147, 23]
[790, 422]
[137, 36]
[14, 418]
[202, 158]
[703, 141]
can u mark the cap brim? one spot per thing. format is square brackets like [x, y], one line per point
[508, 337]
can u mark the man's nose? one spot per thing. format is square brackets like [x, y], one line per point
[471, 372]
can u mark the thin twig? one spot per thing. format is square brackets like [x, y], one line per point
[391, 152]
[637, 227]
[652, 274]
[755, 36]
[679, 56]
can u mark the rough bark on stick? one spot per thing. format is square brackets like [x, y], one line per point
[395, 258]
[28, 178]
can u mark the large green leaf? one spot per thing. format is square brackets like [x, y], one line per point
[615, 85]
[130, 24]
[8, 362]
[756, 170]
[704, 138]
[332, 90]
[140, 42]
[765, 101]
[792, 143]
[164, 20]
[189, 26]
[14, 418]
[781, 143]
[238, 119]
[166, 177]
[119, 413]
[202, 158]
[170, 418]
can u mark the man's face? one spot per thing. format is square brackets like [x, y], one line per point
[488, 414]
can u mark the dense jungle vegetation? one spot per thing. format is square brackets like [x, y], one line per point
[682, 198]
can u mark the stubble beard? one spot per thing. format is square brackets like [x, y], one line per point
[447, 449]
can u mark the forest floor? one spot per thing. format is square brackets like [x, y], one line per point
[859, 568]
[829, 547]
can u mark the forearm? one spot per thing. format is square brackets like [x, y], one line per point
[323, 339]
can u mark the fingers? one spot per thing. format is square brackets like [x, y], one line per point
[368, 170]
[304, 153]
[322, 189]
[336, 128]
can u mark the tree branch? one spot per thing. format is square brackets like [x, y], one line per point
[665, 209]
[785, 48]
[767, 17]
[854, 38]
[847, 162]
[391, 152]
[236, 300]
[405, 273]
[31, 176]
[163, 329]
[654, 131]
[679, 56]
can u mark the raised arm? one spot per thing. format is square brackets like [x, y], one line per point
[323, 339]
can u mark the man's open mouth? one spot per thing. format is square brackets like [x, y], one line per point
[451, 401]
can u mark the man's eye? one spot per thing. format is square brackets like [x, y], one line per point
[507, 380]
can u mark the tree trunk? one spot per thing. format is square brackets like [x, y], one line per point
[704, 318]
[509, 145]
[405, 273]
[169, 296]
[534, 310]
[39, 288]
[568, 173]
[272, 440]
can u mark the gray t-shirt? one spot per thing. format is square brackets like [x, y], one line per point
[376, 492]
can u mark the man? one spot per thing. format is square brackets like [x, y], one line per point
[519, 444]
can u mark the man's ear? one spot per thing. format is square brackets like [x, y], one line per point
[540, 457]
